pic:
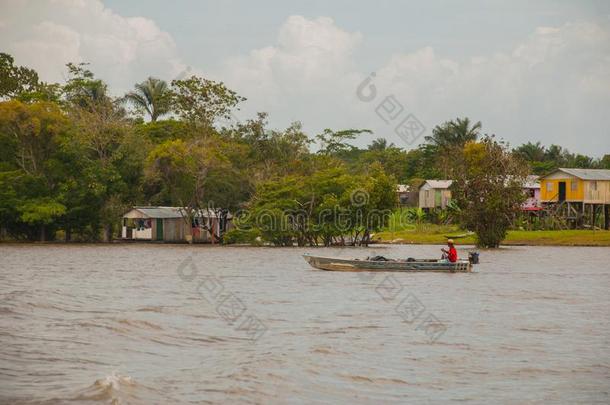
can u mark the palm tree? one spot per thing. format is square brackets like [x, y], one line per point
[380, 144]
[152, 96]
[532, 152]
[455, 133]
[464, 132]
[450, 137]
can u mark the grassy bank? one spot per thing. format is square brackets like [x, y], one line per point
[534, 238]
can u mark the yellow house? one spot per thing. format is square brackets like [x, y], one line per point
[587, 186]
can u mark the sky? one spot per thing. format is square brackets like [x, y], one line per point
[528, 70]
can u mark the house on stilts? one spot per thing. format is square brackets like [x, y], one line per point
[579, 196]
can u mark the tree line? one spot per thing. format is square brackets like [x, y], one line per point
[74, 158]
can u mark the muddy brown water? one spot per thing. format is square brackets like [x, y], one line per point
[139, 323]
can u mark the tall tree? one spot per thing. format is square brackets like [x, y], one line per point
[83, 90]
[102, 137]
[16, 80]
[335, 142]
[488, 189]
[201, 101]
[152, 96]
[449, 138]
[455, 133]
[33, 168]
[380, 144]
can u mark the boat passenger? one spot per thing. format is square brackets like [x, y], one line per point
[450, 254]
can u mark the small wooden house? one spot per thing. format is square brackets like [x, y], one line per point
[588, 186]
[435, 194]
[169, 224]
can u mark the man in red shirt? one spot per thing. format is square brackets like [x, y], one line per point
[451, 253]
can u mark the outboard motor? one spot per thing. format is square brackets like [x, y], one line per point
[473, 257]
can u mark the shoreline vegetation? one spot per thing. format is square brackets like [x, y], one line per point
[74, 158]
[568, 237]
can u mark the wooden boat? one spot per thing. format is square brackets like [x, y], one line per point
[415, 265]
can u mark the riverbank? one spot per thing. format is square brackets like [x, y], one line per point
[435, 236]
[515, 238]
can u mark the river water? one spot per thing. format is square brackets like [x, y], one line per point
[137, 323]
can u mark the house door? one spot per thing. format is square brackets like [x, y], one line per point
[159, 229]
[562, 191]
[438, 198]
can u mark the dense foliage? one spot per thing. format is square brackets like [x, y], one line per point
[488, 189]
[74, 158]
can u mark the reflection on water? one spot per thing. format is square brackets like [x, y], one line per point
[102, 324]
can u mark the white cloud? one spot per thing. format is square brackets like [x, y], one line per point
[121, 50]
[310, 69]
[553, 87]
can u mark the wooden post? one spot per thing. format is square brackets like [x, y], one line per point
[598, 213]
[606, 217]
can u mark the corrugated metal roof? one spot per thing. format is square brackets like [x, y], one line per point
[403, 188]
[587, 174]
[532, 181]
[160, 212]
[439, 183]
[173, 212]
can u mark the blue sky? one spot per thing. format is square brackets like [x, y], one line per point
[530, 71]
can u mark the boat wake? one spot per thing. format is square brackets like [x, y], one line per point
[113, 389]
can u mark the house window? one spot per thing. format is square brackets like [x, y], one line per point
[549, 186]
[594, 185]
[574, 185]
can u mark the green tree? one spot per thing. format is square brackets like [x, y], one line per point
[202, 101]
[160, 131]
[393, 159]
[191, 174]
[152, 96]
[531, 152]
[107, 154]
[455, 133]
[330, 206]
[335, 142]
[16, 80]
[32, 167]
[83, 90]
[488, 181]
[449, 138]
[271, 153]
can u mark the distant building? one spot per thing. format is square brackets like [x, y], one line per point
[169, 224]
[581, 196]
[531, 188]
[407, 196]
[435, 194]
[589, 186]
